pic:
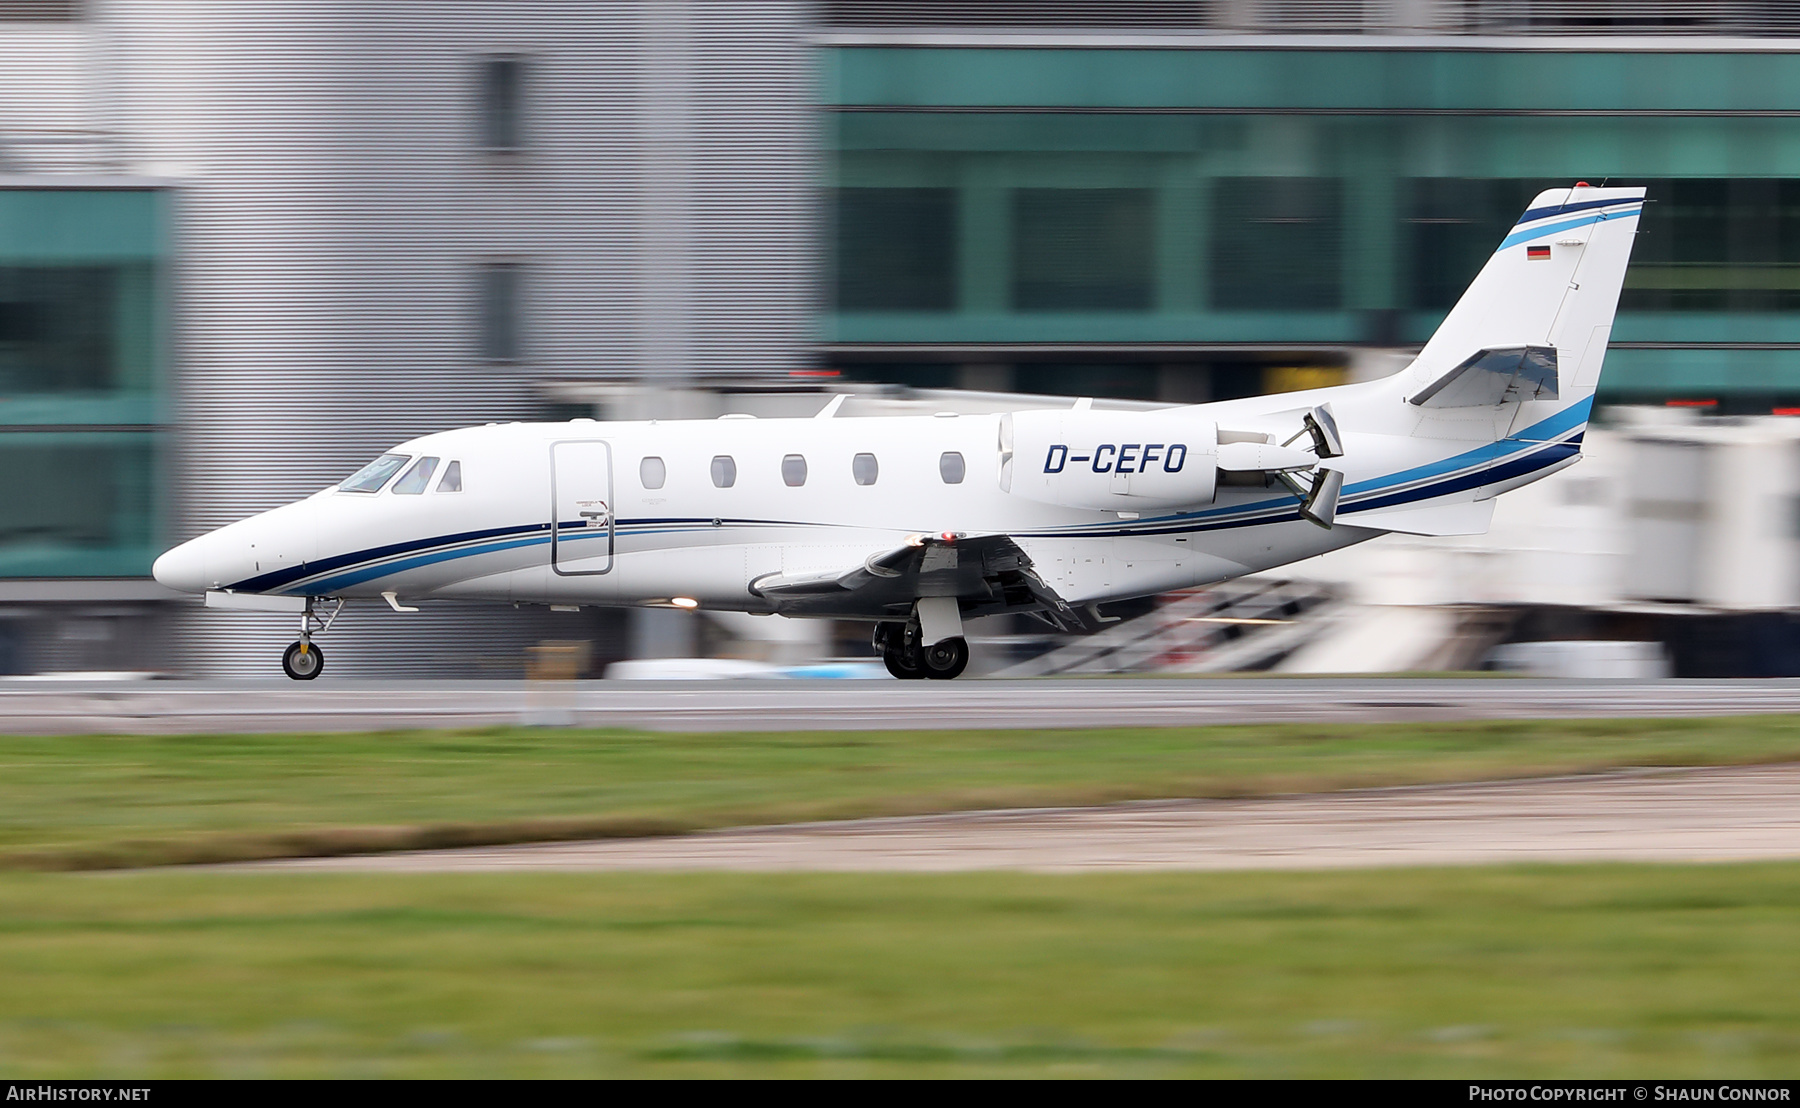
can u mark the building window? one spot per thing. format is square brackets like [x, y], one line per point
[500, 290]
[724, 471]
[951, 467]
[793, 470]
[896, 250]
[500, 97]
[1278, 243]
[1453, 226]
[1717, 245]
[1082, 249]
[60, 327]
[865, 469]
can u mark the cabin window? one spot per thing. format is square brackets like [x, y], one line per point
[371, 477]
[452, 481]
[724, 471]
[951, 467]
[652, 472]
[865, 469]
[793, 470]
[417, 478]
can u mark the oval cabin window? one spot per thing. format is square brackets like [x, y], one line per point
[793, 470]
[652, 472]
[951, 467]
[865, 469]
[724, 471]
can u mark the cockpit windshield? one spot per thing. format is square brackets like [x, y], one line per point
[371, 477]
[417, 477]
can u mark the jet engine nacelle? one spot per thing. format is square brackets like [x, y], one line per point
[1116, 461]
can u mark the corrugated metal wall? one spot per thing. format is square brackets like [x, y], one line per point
[335, 204]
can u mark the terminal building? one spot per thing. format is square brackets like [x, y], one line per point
[244, 248]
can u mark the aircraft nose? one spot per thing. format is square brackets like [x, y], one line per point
[183, 568]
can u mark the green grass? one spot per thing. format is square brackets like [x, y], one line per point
[1585, 971]
[95, 801]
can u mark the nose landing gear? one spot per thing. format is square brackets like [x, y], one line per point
[303, 660]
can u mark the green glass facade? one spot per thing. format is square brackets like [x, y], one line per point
[1126, 199]
[82, 352]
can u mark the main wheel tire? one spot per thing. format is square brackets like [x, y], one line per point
[903, 665]
[303, 666]
[945, 660]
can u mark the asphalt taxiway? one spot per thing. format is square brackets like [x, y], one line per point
[176, 707]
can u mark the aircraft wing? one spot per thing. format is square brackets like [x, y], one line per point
[988, 574]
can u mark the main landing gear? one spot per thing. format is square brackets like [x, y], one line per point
[907, 658]
[303, 660]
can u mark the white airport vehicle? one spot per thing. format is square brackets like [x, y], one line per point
[918, 523]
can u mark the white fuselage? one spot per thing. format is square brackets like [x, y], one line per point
[691, 538]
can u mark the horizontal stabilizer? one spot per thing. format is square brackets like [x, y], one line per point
[1496, 376]
[1468, 518]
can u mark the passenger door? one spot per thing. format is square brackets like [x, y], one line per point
[581, 508]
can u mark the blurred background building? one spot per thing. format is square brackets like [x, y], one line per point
[245, 247]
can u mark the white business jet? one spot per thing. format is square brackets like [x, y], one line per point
[919, 523]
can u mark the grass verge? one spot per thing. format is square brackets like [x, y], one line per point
[1565, 971]
[118, 801]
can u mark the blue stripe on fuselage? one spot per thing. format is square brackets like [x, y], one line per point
[1555, 426]
[277, 579]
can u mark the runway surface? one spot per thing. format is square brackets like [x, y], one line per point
[1663, 816]
[175, 707]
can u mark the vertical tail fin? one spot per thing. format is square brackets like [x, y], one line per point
[1553, 283]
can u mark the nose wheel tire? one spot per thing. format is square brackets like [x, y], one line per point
[303, 664]
[944, 660]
